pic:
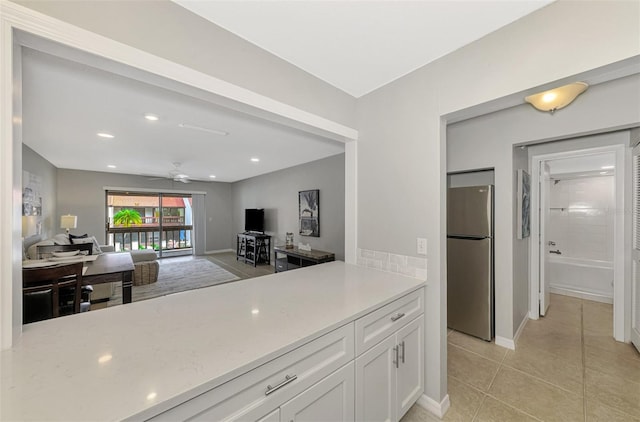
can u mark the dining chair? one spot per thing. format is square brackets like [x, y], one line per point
[46, 251]
[41, 291]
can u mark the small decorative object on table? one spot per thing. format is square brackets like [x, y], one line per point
[304, 247]
[289, 241]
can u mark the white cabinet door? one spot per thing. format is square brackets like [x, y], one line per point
[410, 374]
[329, 400]
[271, 417]
[376, 383]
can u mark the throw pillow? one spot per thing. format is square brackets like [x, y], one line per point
[90, 239]
[72, 237]
[61, 239]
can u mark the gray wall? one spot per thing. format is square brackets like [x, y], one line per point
[82, 193]
[488, 141]
[520, 304]
[167, 30]
[277, 193]
[34, 163]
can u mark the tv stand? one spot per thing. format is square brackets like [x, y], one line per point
[253, 248]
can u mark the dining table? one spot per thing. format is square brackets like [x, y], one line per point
[110, 267]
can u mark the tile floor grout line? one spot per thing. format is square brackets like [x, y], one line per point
[475, 414]
[513, 407]
[478, 354]
[497, 371]
[564, 390]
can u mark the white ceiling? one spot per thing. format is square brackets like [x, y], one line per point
[359, 46]
[65, 104]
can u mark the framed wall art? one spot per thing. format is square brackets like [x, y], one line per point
[523, 201]
[309, 212]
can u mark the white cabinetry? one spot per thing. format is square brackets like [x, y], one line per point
[389, 376]
[370, 369]
[329, 400]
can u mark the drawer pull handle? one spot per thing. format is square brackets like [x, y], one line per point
[402, 344]
[396, 361]
[287, 380]
[397, 316]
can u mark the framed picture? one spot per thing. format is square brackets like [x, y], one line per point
[523, 200]
[309, 212]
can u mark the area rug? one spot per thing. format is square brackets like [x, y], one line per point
[178, 275]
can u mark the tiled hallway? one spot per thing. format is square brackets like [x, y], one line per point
[567, 367]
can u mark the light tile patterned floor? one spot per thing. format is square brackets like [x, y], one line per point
[566, 367]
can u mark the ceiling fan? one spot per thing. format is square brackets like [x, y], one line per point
[177, 175]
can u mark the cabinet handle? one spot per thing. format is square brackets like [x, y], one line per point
[396, 361]
[287, 380]
[402, 344]
[397, 316]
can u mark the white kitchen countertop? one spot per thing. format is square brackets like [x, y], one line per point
[145, 357]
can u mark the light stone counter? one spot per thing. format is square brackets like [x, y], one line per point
[145, 357]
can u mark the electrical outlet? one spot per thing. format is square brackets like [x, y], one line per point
[422, 246]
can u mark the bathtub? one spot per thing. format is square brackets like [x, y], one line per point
[579, 277]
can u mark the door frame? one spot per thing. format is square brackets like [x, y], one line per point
[634, 333]
[621, 312]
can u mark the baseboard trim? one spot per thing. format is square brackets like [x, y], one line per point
[505, 342]
[565, 291]
[520, 329]
[216, 251]
[432, 406]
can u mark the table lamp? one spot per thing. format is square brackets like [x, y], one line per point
[68, 222]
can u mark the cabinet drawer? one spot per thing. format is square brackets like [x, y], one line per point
[253, 395]
[373, 327]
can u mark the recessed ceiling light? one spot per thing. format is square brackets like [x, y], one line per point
[105, 135]
[104, 358]
[603, 172]
[255, 311]
[152, 395]
[111, 166]
[255, 159]
[607, 167]
[203, 129]
[151, 117]
[213, 176]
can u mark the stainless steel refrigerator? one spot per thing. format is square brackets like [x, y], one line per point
[470, 303]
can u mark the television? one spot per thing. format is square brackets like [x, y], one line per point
[254, 220]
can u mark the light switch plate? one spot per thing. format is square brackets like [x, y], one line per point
[422, 246]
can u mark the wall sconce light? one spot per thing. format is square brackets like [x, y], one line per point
[557, 98]
[68, 222]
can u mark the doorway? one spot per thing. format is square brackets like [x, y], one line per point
[577, 215]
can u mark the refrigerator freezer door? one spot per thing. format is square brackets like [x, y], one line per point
[469, 211]
[469, 287]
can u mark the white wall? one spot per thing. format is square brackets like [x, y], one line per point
[277, 193]
[581, 219]
[401, 151]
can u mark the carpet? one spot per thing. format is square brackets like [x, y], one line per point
[178, 275]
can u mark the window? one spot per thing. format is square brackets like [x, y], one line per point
[142, 220]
